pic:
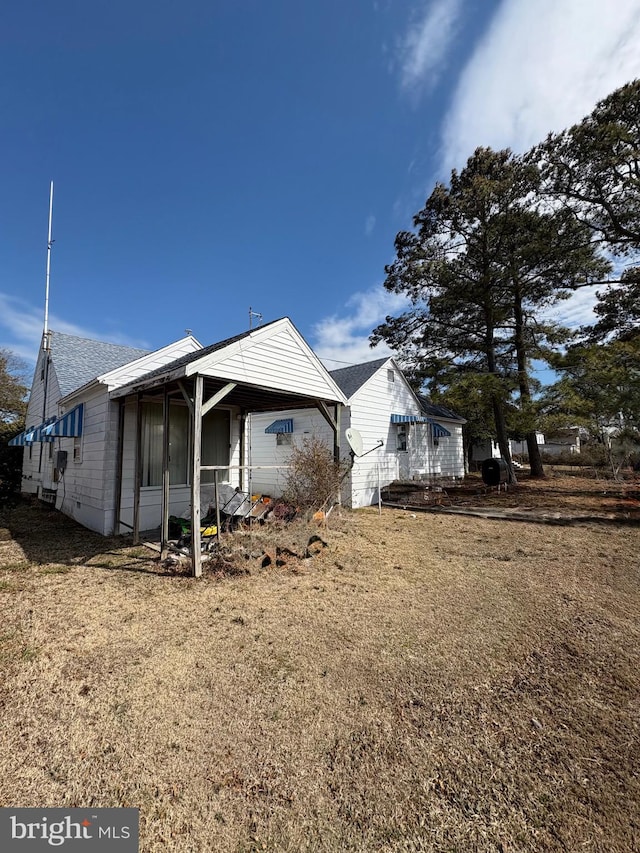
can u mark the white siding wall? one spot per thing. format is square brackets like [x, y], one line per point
[371, 409]
[151, 496]
[37, 468]
[263, 448]
[86, 492]
[446, 457]
[370, 413]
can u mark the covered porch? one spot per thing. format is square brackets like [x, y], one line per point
[184, 426]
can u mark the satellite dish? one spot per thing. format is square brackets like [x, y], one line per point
[355, 441]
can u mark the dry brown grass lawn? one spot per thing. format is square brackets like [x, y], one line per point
[428, 683]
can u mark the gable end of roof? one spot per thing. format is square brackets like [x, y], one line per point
[351, 379]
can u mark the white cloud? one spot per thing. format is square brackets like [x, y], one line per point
[369, 225]
[21, 328]
[343, 340]
[424, 47]
[542, 66]
[577, 310]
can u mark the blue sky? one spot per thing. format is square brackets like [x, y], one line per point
[211, 156]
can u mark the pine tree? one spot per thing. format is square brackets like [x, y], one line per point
[481, 265]
[594, 168]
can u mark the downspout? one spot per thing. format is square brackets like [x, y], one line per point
[336, 444]
[164, 535]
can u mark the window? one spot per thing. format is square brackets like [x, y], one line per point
[283, 439]
[216, 433]
[391, 377]
[77, 448]
[216, 426]
[401, 437]
[152, 444]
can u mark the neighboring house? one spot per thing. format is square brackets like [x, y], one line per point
[119, 459]
[487, 449]
[567, 440]
[520, 448]
[419, 440]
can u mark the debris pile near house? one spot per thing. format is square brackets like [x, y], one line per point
[235, 511]
[229, 558]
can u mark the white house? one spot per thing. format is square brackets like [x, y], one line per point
[489, 449]
[70, 455]
[404, 436]
[520, 448]
[567, 440]
[97, 446]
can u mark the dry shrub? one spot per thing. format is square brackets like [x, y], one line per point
[314, 477]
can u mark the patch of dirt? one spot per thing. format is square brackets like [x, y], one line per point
[561, 492]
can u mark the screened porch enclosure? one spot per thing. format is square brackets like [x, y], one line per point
[216, 443]
[221, 439]
[205, 420]
[209, 394]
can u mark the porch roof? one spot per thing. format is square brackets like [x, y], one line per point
[272, 367]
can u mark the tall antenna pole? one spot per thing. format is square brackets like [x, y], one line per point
[46, 293]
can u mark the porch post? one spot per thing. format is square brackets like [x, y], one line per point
[336, 447]
[334, 423]
[138, 471]
[245, 478]
[120, 454]
[164, 535]
[196, 555]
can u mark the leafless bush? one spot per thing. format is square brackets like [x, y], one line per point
[314, 477]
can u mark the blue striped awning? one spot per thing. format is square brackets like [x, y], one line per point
[19, 440]
[409, 419]
[437, 429]
[29, 436]
[69, 425]
[283, 425]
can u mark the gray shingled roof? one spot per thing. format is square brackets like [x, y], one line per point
[350, 379]
[436, 411]
[79, 360]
